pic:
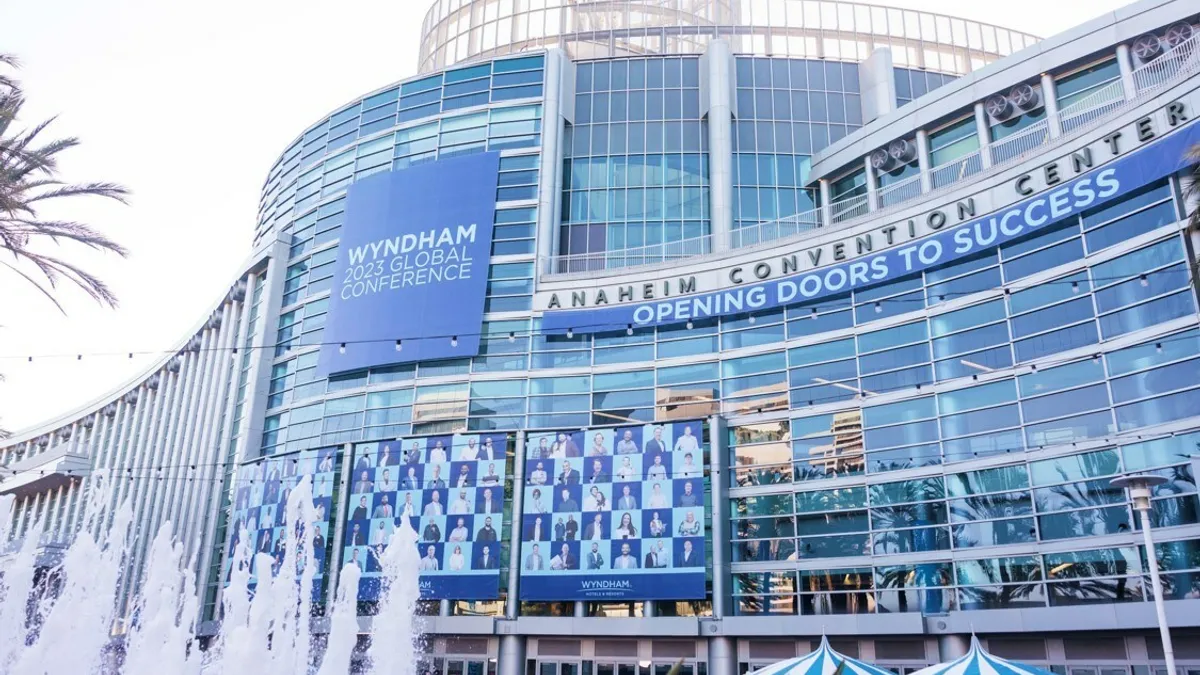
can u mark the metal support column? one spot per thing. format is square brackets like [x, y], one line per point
[923, 160]
[984, 132]
[1125, 63]
[872, 185]
[513, 607]
[512, 655]
[722, 656]
[719, 481]
[717, 101]
[554, 103]
[1050, 100]
[825, 192]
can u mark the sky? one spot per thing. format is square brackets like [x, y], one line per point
[188, 105]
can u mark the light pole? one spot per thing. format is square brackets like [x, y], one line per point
[1140, 487]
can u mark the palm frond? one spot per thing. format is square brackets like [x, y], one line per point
[1192, 194]
[7, 81]
[29, 179]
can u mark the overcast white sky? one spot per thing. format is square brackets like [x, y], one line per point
[188, 104]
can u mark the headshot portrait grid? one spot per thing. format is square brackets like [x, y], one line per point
[613, 500]
[451, 490]
[261, 493]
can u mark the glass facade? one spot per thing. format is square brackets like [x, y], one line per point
[941, 443]
[635, 171]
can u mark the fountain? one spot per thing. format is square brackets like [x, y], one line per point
[61, 621]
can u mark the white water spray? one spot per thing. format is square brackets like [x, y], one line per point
[64, 620]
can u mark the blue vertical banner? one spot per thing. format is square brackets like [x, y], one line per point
[614, 514]
[412, 265]
[261, 492]
[451, 490]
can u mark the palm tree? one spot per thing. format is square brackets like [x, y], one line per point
[1192, 194]
[29, 180]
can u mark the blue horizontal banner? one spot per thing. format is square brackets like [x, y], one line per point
[1087, 191]
[613, 586]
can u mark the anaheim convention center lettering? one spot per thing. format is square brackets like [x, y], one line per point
[1089, 190]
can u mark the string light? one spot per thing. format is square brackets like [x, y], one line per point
[454, 341]
[570, 334]
[399, 345]
[813, 312]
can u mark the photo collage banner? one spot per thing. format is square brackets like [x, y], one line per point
[451, 489]
[260, 497]
[614, 514]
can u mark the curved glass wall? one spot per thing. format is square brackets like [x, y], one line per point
[455, 31]
[636, 165]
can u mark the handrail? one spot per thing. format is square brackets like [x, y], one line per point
[1172, 65]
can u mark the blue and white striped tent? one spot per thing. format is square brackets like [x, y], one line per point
[824, 661]
[978, 662]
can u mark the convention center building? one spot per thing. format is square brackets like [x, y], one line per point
[697, 330]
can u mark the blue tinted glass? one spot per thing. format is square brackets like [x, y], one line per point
[833, 372]
[903, 434]
[1137, 262]
[698, 372]
[1057, 341]
[1135, 290]
[904, 411]
[1127, 228]
[826, 351]
[964, 424]
[1157, 381]
[894, 358]
[963, 286]
[513, 93]
[1052, 317]
[637, 378]
[882, 309]
[820, 324]
[976, 315]
[898, 379]
[1039, 239]
[754, 364]
[960, 268]
[523, 63]
[891, 288]
[971, 340]
[1070, 429]
[1127, 204]
[1065, 403]
[996, 357]
[468, 73]
[1062, 377]
[909, 332]
[978, 396]
[1043, 260]
[1162, 451]
[1158, 410]
[1053, 291]
[1148, 314]
[1163, 350]
[983, 445]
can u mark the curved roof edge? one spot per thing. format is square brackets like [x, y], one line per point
[633, 27]
[1064, 48]
[252, 263]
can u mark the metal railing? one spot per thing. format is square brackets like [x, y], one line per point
[1171, 67]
